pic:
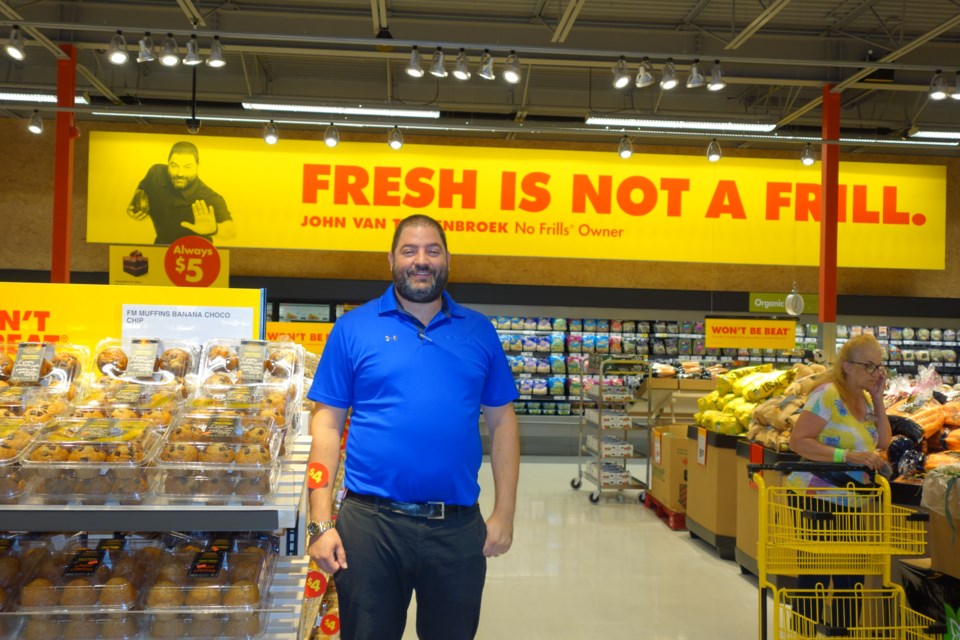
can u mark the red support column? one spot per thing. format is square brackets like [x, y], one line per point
[829, 204]
[63, 167]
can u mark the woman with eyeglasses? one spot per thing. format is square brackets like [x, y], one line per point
[843, 421]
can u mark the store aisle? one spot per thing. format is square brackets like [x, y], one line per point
[611, 570]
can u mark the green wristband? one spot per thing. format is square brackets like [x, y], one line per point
[839, 454]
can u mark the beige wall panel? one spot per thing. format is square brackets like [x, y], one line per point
[26, 205]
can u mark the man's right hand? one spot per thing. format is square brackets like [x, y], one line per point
[327, 551]
[139, 206]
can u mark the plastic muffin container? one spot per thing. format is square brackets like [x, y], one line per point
[216, 458]
[252, 361]
[209, 593]
[274, 400]
[16, 435]
[55, 368]
[92, 460]
[31, 403]
[17, 558]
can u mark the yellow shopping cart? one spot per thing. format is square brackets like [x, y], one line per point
[848, 529]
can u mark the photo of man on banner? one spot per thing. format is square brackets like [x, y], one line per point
[178, 202]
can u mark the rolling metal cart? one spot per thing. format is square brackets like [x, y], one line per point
[604, 447]
[831, 531]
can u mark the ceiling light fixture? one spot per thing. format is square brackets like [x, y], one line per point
[461, 68]
[148, 49]
[118, 49]
[169, 52]
[436, 66]
[644, 76]
[46, 98]
[808, 156]
[936, 134]
[695, 80]
[716, 78]
[938, 86]
[713, 151]
[669, 79]
[331, 137]
[14, 46]
[415, 66]
[625, 150]
[193, 52]
[395, 139]
[270, 133]
[695, 125]
[385, 112]
[216, 54]
[511, 68]
[486, 66]
[621, 75]
[36, 123]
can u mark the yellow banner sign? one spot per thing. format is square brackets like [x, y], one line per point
[311, 335]
[172, 266]
[85, 314]
[300, 194]
[735, 333]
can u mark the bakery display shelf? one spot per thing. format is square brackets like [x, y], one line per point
[157, 513]
[282, 614]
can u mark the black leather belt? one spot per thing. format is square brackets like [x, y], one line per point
[428, 510]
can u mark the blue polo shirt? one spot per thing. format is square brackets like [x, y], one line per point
[416, 394]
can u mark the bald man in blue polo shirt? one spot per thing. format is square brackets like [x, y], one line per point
[416, 368]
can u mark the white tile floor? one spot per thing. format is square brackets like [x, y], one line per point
[611, 571]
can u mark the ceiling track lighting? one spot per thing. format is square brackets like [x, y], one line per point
[808, 156]
[14, 46]
[511, 68]
[270, 133]
[695, 79]
[461, 68]
[621, 74]
[669, 79]
[36, 123]
[713, 151]
[216, 59]
[716, 78]
[645, 75]
[169, 52]
[625, 150]
[938, 86]
[436, 66]
[486, 66]
[118, 53]
[147, 49]
[331, 137]
[415, 66]
[395, 139]
[193, 52]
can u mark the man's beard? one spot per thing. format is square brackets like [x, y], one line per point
[402, 280]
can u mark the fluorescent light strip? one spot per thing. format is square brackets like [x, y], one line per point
[45, 98]
[646, 123]
[942, 135]
[908, 143]
[344, 111]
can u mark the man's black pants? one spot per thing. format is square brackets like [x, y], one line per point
[390, 555]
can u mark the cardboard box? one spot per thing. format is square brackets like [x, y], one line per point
[944, 553]
[711, 487]
[668, 467]
[697, 384]
[661, 383]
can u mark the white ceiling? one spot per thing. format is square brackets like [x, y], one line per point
[776, 55]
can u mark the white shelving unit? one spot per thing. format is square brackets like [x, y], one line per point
[604, 434]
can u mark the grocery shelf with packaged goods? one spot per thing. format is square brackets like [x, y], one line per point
[96, 459]
[608, 454]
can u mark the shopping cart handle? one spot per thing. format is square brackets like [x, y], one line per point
[808, 467]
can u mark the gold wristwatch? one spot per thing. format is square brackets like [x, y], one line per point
[316, 529]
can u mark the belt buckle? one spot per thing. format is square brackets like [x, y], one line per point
[443, 511]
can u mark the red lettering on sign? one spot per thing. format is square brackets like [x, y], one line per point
[533, 185]
[312, 182]
[508, 190]
[674, 188]
[726, 200]
[420, 191]
[600, 196]
[348, 184]
[646, 203]
[807, 202]
[777, 198]
[386, 185]
[890, 213]
[465, 188]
